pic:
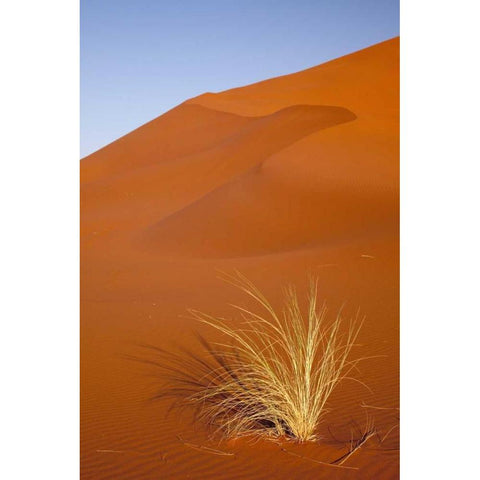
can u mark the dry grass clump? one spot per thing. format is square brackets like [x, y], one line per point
[273, 373]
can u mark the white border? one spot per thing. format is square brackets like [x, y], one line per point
[439, 239]
[39, 105]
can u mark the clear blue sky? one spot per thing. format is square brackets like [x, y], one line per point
[140, 58]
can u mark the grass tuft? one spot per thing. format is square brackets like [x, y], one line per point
[274, 373]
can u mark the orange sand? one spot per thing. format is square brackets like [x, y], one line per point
[294, 175]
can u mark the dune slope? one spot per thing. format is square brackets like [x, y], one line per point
[288, 177]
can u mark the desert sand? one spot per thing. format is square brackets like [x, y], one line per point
[288, 177]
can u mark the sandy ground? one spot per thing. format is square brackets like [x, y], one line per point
[292, 176]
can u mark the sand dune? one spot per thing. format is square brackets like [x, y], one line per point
[290, 176]
[184, 178]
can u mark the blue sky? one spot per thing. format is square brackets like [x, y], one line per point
[140, 58]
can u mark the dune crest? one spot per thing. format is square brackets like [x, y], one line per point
[188, 177]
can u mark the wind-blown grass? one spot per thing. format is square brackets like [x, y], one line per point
[274, 372]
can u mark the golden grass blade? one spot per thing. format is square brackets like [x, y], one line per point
[203, 448]
[303, 457]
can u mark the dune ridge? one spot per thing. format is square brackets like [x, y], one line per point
[195, 175]
[292, 176]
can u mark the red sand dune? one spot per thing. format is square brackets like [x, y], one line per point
[292, 176]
